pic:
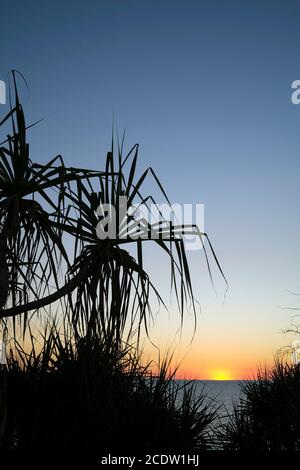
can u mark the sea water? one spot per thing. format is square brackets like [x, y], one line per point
[224, 393]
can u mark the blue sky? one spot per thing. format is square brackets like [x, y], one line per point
[205, 88]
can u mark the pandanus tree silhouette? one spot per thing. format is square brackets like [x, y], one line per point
[103, 287]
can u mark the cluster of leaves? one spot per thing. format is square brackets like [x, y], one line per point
[268, 416]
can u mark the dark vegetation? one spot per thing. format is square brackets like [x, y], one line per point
[80, 394]
[268, 416]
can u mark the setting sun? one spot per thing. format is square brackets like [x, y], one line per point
[221, 375]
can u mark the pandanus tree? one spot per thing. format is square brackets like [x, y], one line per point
[104, 286]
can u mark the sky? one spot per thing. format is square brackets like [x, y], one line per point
[205, 88]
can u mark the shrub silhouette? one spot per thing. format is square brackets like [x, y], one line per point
[268, 416]
[78, 394]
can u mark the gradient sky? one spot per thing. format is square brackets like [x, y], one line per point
[205, 88]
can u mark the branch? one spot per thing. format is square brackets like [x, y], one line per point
[49, 299]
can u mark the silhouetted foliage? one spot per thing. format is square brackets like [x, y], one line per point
[80, 394]
[268, 416]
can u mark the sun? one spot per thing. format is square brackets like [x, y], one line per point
[221, 375]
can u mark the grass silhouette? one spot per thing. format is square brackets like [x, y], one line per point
[78, 393]
[268, 416]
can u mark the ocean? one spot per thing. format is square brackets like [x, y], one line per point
[225, 393]
[222, 394]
